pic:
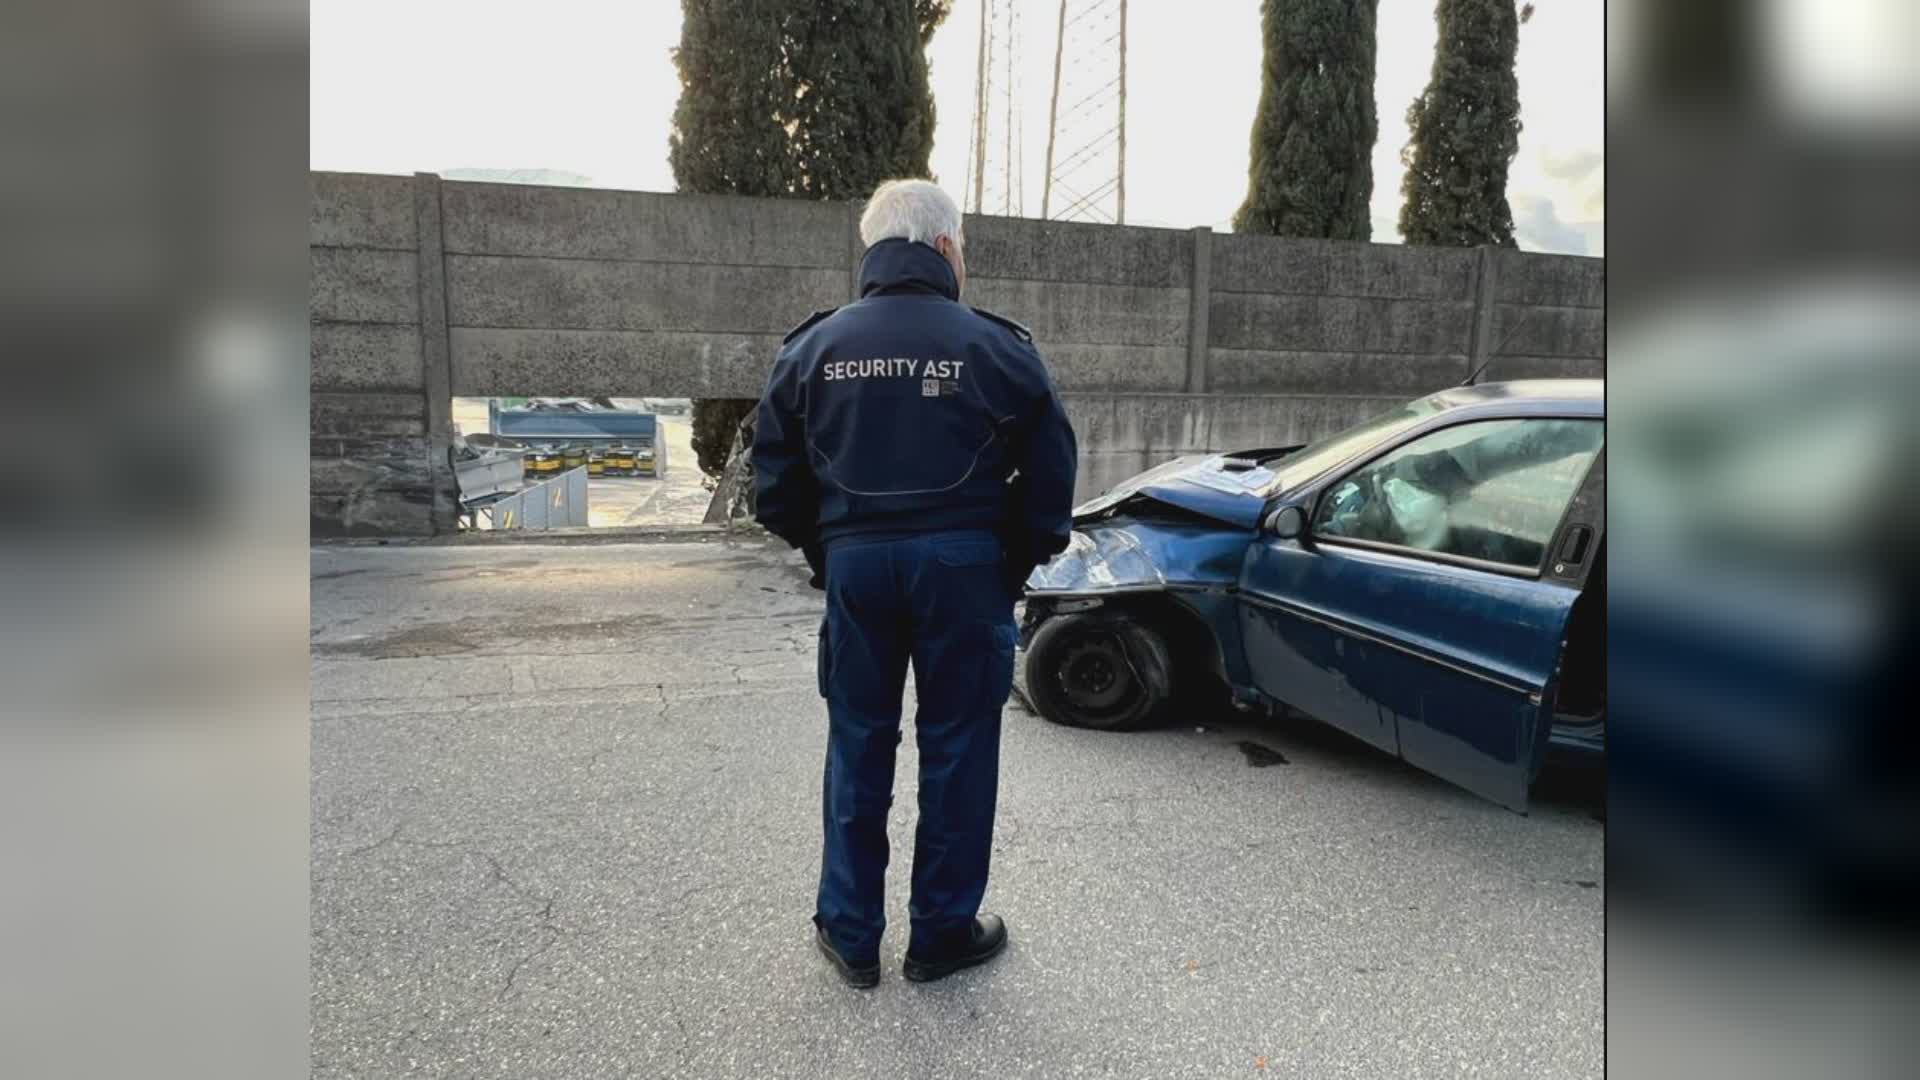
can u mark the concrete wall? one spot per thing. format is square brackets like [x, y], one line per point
[371, 469]
[1162, 341]
[565, 291]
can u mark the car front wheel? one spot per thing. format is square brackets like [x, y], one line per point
[1098, 670]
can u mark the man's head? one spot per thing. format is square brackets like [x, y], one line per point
[916, 210]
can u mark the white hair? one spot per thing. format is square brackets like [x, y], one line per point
[909, 210]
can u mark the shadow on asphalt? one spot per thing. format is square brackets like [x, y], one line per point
[1565, 785]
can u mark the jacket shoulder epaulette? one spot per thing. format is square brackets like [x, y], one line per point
[808, 321]
[1019, 331]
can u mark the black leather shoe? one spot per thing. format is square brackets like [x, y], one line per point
[989, 937]
[860, 978]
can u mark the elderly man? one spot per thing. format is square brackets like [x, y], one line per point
[915, 449]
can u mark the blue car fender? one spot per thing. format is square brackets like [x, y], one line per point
[1139, 555]
[1177, 577]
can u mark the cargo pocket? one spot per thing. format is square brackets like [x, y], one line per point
[823, 658]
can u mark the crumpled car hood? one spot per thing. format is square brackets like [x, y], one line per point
[1197, 483]
[1140, 554]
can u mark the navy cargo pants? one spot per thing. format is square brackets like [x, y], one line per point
[940, 602]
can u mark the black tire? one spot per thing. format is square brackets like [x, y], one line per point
[1103, 671]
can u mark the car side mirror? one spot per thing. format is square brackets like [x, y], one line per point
[1287, 523]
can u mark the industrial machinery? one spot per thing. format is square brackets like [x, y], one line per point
[574, 428]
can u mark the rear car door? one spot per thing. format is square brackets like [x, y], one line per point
[1417, 611]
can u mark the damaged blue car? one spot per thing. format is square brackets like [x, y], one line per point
[1430, 581]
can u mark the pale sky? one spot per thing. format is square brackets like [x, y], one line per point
[588, 87]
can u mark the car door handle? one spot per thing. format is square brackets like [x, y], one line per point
[1574, 548]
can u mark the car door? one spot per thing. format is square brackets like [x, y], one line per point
[1416, 610]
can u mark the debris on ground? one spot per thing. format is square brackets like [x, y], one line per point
[1260, 756]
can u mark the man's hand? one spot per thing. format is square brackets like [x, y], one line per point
[817, 562]
[1016, 572]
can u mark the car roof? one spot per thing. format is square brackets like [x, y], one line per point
[1580, 397]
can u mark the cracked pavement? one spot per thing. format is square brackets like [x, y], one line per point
[565, 822]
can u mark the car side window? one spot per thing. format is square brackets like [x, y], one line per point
[1494, 490]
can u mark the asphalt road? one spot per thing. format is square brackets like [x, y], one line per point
[566, 823]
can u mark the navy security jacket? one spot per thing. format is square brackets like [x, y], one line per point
[906, 411]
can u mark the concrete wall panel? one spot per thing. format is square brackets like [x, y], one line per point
[585, 223]
[1545, 367]
[507, 362]
[369, 471]
[1560, 280]
[366, 356]
[1402, 273]
[360, 285]
[358, 210]
[1266, 264]
[398, 465]
[1161, 425]
[1122, 434]
[1002, 247]
[1340, 323]
[593, 295]
[1246, 423]
[1256, 371]
[1099, 471]
[369, 511]
[1062, 313]
[1116, 368]
[348, 415]
[1250, 422]
[1549, 331]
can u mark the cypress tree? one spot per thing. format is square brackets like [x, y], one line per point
[729, 135]
[729, 138]
[1466, 130]
[1310, 172]
[818, 99]
[862, 109]
[715, 420]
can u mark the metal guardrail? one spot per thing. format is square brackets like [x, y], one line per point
[491, 471]
[551, 504]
